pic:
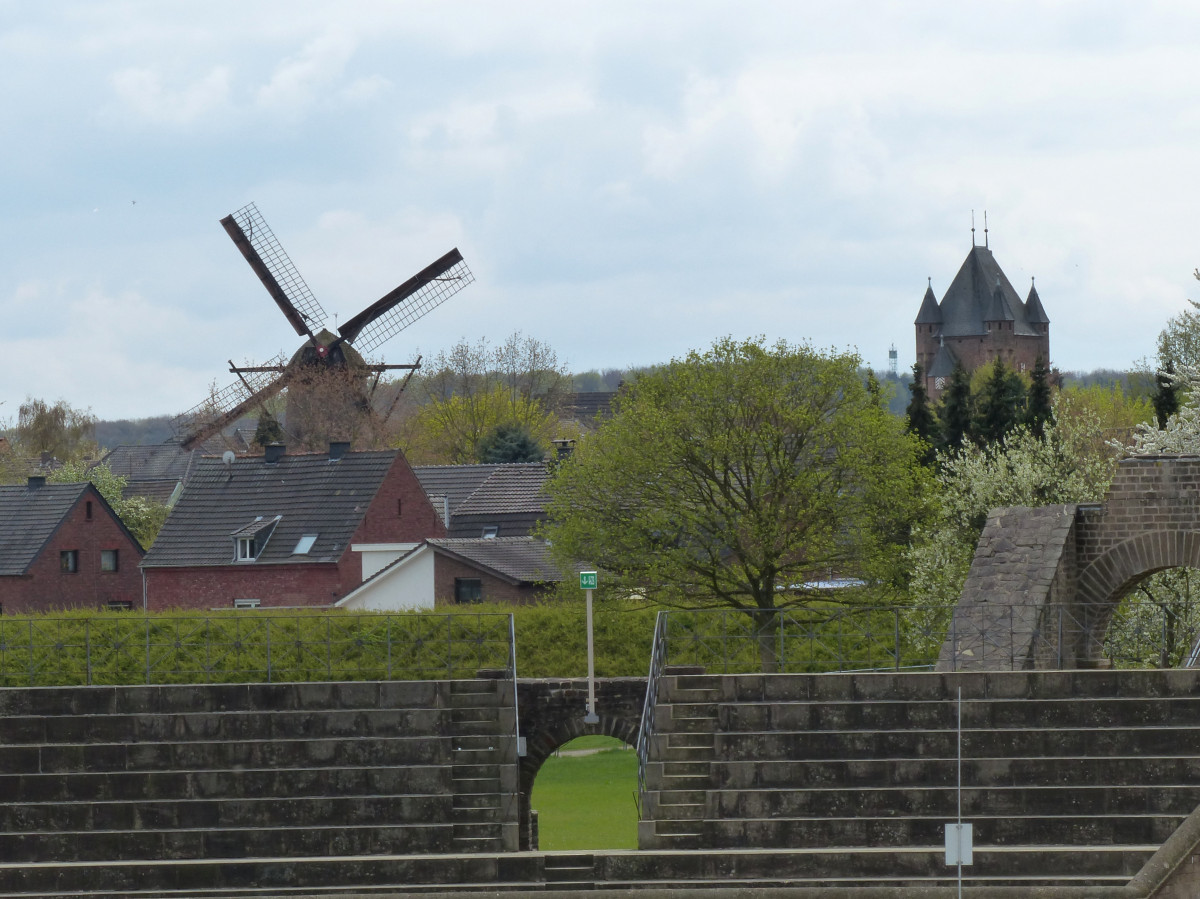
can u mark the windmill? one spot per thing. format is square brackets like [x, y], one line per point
[322, 351]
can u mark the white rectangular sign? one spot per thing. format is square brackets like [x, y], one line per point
[959, 849]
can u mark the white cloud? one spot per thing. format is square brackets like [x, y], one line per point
[299, 79]
[142, 91]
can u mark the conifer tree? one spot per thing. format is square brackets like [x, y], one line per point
[999, 405]
[1166, 394]
[954, 411]
[1038, 409]
[921, 420]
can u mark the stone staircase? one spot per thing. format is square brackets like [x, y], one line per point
[187, 787]
[1068, 777]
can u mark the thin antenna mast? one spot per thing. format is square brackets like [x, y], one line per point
[985, 237]
[972, 227]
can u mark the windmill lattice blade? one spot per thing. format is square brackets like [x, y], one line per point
[206, 418]
[396, 310]
[249, 230]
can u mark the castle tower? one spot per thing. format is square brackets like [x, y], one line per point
[980, 318]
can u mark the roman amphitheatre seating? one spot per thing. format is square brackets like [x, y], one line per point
[1068, 777]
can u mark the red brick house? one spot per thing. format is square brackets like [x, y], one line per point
[282, 530]
[457, 571]
[63, 547]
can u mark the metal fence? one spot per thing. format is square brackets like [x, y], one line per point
[1000, 636]
[258, 647]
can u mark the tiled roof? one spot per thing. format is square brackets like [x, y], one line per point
[509, 489]
[485, 489]
[310, 494]
[593, 404]
[524, 559]
[29, 516]
[970, 298]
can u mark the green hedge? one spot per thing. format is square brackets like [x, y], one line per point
[276, 646]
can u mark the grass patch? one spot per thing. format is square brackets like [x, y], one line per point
[593, 741]
[586, 802]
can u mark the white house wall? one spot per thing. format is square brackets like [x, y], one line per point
[407, 587]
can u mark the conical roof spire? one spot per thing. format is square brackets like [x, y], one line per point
[1034, 312]
[930, 313]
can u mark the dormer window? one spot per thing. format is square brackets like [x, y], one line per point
[490, 532]
[250, 541]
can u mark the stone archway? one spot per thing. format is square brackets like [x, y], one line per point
[551, 713]
[1045, 582]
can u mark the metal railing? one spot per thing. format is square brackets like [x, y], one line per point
[658, 661]
[993, 636]
[255, 647]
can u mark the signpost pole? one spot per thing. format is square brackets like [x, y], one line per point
[587, 581]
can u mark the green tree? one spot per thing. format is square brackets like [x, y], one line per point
[999, 405]
[510, 442]
[57, 430]
[736, 476]
[921, 420]
[141, 516]
[1039, 408]
[268, 431]
[955, 411]
[473, 389]
[1166, 393]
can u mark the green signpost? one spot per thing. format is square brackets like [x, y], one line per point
[587, 581]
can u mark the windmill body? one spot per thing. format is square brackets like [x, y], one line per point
[327, 378]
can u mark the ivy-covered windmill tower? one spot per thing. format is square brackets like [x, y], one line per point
[981, 318]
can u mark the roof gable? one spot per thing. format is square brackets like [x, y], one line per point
[309, 494]
[30, 516]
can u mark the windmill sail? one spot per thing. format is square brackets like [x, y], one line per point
[250, 232]
[399, 308]
[225, 406]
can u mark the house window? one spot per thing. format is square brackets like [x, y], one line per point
[68, 561]
[120, 605]
[399, 507]
[490, 531]
[939, 383]
[108, 560]
[468, 590]
[247, 549]
[247, 603]
[87, 512]
[304, 544]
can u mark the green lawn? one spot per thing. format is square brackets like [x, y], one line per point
[586, 802]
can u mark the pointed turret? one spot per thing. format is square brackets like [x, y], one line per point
[1034, 313]
[930, 313]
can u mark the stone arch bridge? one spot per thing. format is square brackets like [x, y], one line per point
[1044, 582]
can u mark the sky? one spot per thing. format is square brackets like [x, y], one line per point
[627, 181]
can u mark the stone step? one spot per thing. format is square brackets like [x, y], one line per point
[208, 755]
[247, 783]
[223, 698]
[1026, 830]
[681, 797]
[253, 725]
[942, 714]
[690, 741]
[1076, 801]
[1028, 742]
[175, 814]
[1060, 771]
[229, 843]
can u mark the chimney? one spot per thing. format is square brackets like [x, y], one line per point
[36, 481]
[337, 449]
[563, 449]
[273, 452]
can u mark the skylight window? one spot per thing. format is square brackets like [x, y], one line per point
[304, 544]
